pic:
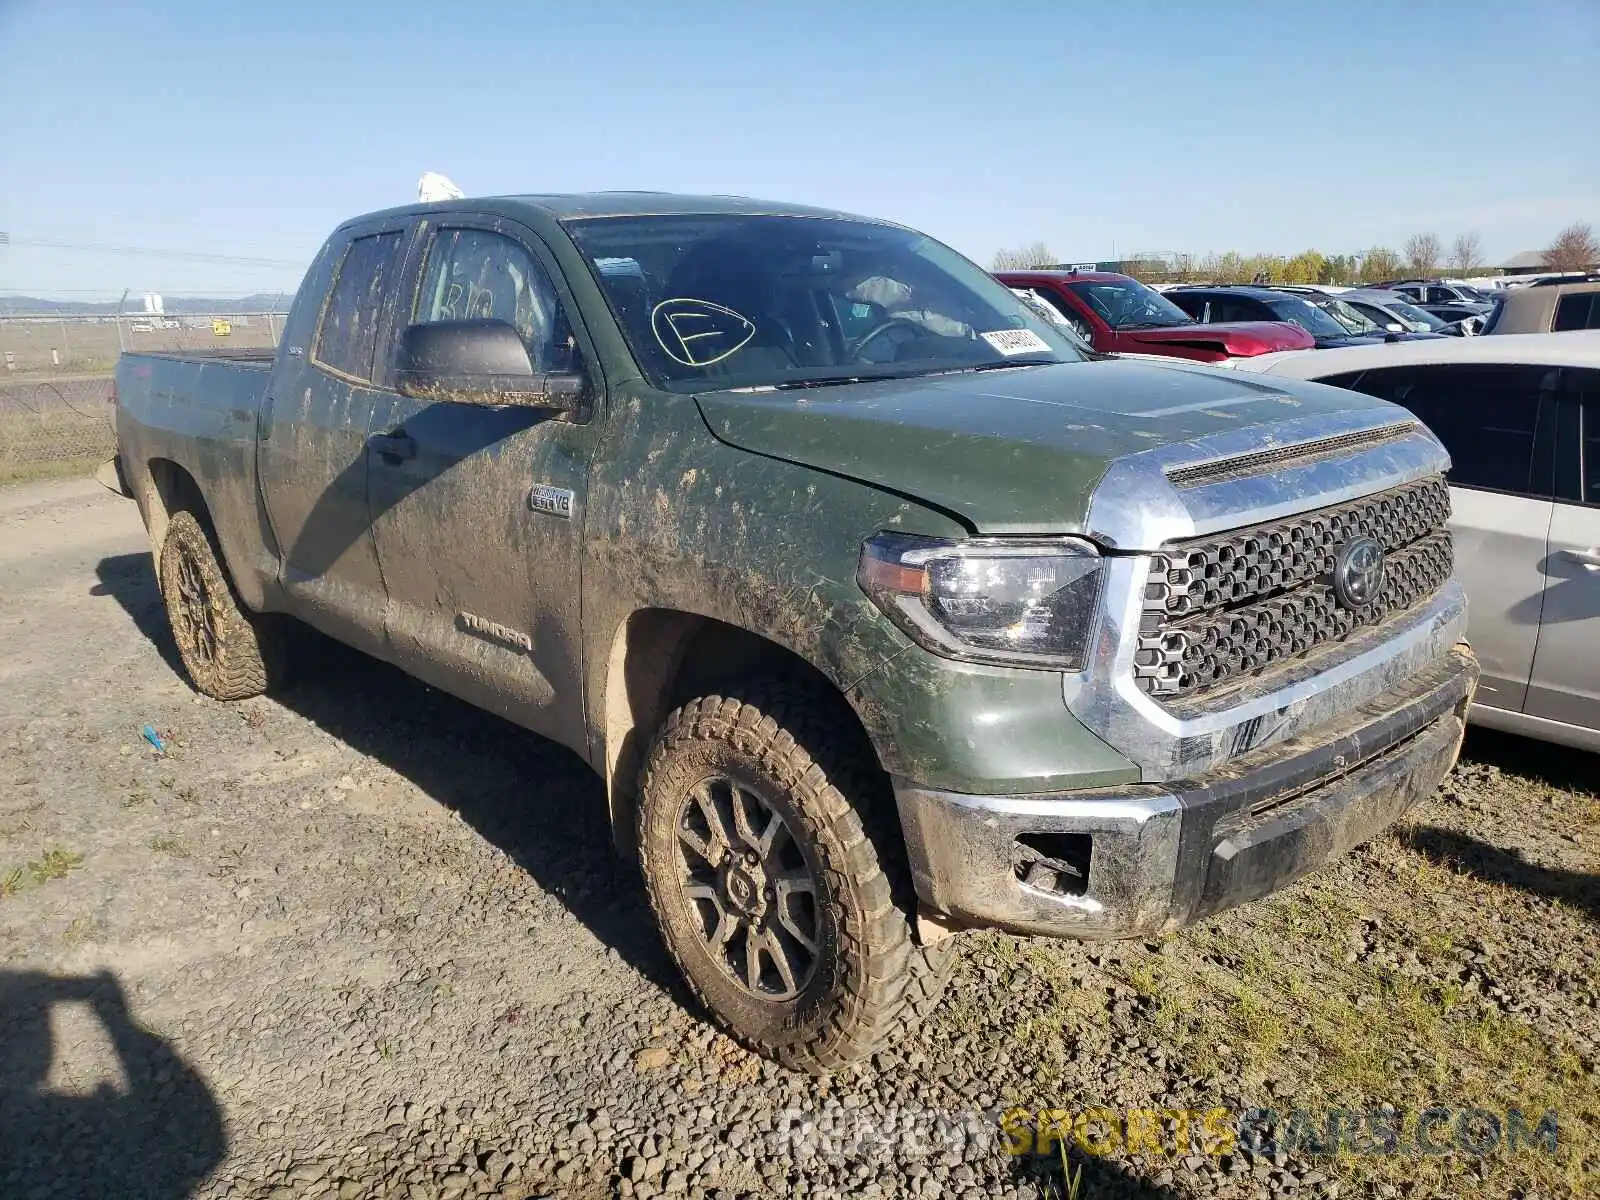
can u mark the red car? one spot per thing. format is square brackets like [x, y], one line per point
[1118, 314]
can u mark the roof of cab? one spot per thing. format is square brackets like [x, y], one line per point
[582, 205]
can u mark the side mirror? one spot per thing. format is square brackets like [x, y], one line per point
[479, 362]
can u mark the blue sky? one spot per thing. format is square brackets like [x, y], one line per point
[248, 130]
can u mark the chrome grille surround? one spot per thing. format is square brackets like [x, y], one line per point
[1221, 609]
[1137, 510]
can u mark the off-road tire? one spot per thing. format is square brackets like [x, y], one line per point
[247, 652]
[871, 981]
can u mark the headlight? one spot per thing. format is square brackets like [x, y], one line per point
[993, 600]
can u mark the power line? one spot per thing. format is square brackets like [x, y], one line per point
[175, 255]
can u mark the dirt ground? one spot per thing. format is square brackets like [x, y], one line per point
[359, 940]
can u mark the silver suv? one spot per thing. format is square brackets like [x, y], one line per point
[1520, 415]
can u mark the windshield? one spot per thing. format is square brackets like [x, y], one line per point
[1421, 321]
[1350, 317]
[1128, 304]
[1308, 316]
[713, 301]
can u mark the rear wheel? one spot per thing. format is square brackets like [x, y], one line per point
[229, 652]
[773, 900]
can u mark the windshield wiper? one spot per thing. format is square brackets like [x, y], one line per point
[1008, 363]
[786, 385]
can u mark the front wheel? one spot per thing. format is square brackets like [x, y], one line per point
[772, 898]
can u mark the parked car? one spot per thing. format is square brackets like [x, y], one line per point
[1567, 277]
[1357, 322]
[1258, 303]
[1558, 307]
[1437, 291]
[1453, 303]
[1394, 312]
[1520, 415]
[1118, 314]
[1472, 317]
[879, 607]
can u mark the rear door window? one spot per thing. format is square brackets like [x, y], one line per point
[349, 329]
[1486, 415]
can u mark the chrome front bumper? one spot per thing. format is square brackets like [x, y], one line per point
[1135, 860]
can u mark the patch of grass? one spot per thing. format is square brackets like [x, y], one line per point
[1071, 1185]
[12, 471]
[135, 798]
[1315, 1022]
[78, 930]
[55, 863]
[169, 845]
[229, 860]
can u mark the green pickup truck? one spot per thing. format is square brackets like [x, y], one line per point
[882, 607]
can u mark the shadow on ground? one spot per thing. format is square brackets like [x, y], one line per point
[1494, 864]
[1108, 1178]
[131, 580]
[1556, 766]
[153, 1139]
[535, 800]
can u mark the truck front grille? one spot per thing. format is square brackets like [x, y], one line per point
[1227, 607]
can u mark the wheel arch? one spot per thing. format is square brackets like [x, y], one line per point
[659, 659]
[172, 488]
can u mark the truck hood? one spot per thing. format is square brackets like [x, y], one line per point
[1024, 450]
[1239, 339]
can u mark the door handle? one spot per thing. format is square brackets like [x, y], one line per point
[1586, 558]
[393, 445]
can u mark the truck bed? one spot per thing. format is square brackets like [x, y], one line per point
[259, 357]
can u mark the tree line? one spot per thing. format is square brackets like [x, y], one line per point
[1575, 248]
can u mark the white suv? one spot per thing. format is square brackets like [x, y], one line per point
[1520, 415]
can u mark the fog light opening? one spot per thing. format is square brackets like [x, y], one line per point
[1053, 862]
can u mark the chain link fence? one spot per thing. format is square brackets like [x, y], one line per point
[54, 427]
[55, 377]
[35, 347]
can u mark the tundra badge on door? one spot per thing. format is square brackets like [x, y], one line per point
[546, 499]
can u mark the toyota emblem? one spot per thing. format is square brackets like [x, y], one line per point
[1358, 572]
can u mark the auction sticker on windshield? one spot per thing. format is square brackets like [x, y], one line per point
[1016, 341]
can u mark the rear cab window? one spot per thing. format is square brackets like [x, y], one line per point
[347, 335]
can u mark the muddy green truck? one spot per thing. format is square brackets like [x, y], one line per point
[882, 607]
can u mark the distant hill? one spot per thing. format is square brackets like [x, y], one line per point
[34, 306]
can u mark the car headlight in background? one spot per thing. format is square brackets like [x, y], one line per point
[1015, 602]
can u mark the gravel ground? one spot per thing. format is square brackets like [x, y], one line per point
[359, 940]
